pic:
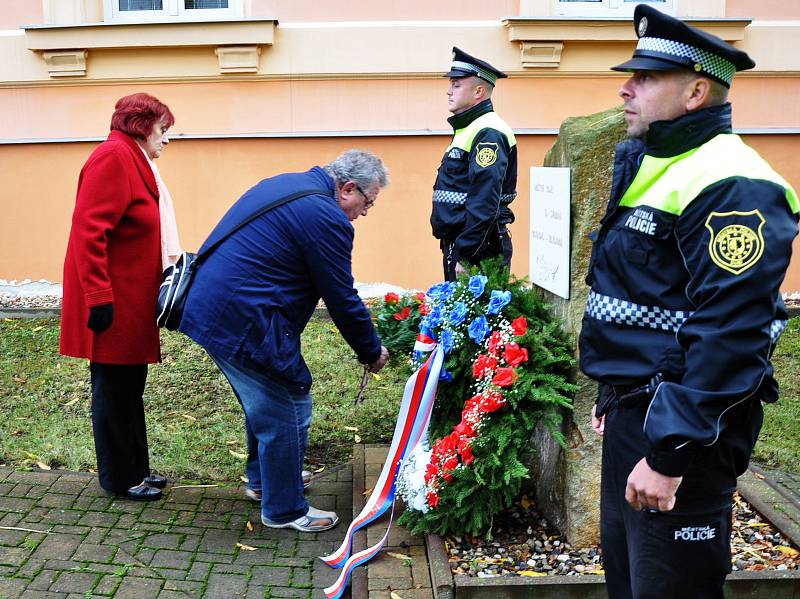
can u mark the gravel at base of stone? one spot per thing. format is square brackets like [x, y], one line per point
[26, 302]
[524, 544]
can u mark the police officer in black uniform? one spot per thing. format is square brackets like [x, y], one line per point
[683, 314]
[477, 179]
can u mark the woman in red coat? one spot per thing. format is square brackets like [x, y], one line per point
[112, 272]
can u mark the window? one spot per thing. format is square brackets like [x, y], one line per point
[607, 8]
[138, 11]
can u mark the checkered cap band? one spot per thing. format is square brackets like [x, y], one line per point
[712, 64]
[449, 197]
[614, 309]
[483, 74]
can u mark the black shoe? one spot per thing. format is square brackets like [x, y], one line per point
[156, 480]
[143, 492]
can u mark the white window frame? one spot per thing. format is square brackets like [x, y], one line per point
[173, 10]
[607, 8]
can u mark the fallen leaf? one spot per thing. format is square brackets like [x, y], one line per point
[791, 552]
[244, 547]
[525, 502]
[238, 455]
[395, 595]
[320, 469]
[58, 366]
[351, 428]
[531, 573]
[244, 479]
[399, 556]
[759, 476]
[367, 492]
[18, 433]
[376, 376]
[191, 418]
[31, 456]
[249, 526]
[43, 466]
[37, 329]
[231, 442]
[599, 572]
[71, 402]
[357, 438]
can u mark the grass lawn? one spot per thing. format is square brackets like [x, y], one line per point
[195, 426]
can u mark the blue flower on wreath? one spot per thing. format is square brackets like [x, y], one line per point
[458, 313]
[434, 319]
[498, 301]
[444, 375]
[447, 341]
[442, 291]
[477, 283]
[478, 329]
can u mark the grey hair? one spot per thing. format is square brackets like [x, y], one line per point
[363, 167]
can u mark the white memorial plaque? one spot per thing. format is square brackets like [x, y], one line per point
[550, 221]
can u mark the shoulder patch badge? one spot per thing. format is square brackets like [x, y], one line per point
[485, 154]
[737, 242]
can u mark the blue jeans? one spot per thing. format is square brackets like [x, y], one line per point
[277, 424]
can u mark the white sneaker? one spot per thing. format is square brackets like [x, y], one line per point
[255, 494]
[314, 521]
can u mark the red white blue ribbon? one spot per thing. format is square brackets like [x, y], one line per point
[411, 427]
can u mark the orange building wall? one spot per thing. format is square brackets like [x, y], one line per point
[764, 9]
[16, 13]
[393, 244]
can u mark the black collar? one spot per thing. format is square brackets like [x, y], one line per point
[462, 119]
[671, 138]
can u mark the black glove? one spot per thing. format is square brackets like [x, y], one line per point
[100, 317]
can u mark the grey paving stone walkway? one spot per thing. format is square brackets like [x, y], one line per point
[61, 536]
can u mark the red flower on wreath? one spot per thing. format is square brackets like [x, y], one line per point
[495, 341]
[403, 314]
[391, 298]
[519, 326]
[515, 355]
[432, 499]
[465, 428]
[419, 296]
[465, 450]
[493, 401]
[505, 377]
[424, 309]
[484, 366]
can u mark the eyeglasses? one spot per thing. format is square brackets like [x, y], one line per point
[369, 202]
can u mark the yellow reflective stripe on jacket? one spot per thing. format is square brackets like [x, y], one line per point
[670, 184]
[463, 138]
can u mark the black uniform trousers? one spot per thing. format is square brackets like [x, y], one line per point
[683, 553]
[120, 437]
[499, 246]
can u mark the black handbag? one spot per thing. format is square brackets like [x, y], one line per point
[177, 278]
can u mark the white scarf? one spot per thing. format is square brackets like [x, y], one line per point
[170, 242]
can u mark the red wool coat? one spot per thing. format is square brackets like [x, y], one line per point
[114, 256]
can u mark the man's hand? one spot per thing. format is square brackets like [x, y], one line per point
[650, 489]
[381, 361]
[460, 269]
[598, 424]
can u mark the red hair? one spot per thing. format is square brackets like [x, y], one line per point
[136, 114]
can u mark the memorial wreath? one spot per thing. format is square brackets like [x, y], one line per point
[506, 363]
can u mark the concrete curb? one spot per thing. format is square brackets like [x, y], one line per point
[321, 312]
[771, 502]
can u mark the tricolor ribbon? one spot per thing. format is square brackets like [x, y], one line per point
[411, 427]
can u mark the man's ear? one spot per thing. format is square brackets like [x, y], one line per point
[699, 94]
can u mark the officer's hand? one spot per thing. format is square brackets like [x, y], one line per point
[381, 361]
[460, 269]
[650, 489]
[100, 317]
[598, 424]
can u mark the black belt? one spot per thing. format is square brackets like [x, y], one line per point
[627, 396]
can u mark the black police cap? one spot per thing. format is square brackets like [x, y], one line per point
[465, 65]
[667, 44]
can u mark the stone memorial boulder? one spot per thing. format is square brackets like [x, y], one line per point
[566, 481]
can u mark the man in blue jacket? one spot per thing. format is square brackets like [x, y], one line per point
[254, 295]
[683, 314]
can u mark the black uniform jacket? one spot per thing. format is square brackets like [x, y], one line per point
[667, 295]
[474, 186]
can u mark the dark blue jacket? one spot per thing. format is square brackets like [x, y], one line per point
[689, 290]
[255, 293]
